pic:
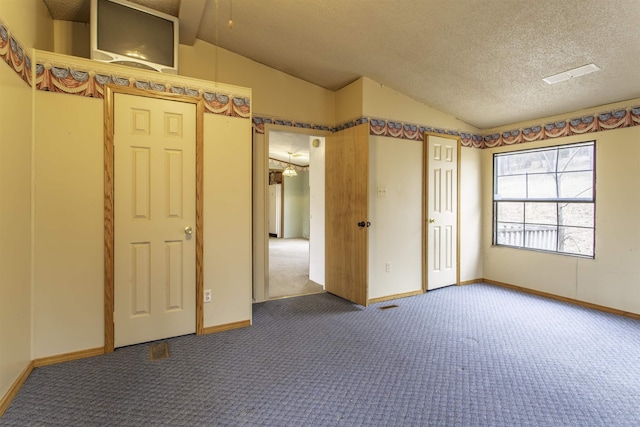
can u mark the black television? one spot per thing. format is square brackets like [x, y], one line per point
[129, 34]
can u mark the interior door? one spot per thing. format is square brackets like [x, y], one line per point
[154, 219]
[346, 212]
[442, 211]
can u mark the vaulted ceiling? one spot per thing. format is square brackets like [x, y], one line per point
[482, 61]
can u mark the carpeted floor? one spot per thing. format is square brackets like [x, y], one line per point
[475, 355]
[289, 268]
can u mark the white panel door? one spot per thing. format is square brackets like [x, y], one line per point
[154, 219]
[442, 211]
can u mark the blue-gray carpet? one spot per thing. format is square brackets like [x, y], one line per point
[458, 356]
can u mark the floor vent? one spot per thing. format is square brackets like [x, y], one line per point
[387, 307]
[159, 351]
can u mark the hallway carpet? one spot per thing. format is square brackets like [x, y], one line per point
[289, 268]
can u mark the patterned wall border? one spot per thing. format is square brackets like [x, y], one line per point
[377, 126]
[14, 55]
[62, 78]
[259, 123]
[608, 120]
[90, 83]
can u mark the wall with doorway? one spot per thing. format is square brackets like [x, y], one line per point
[56, 281]
[396, 165]
[69, 212]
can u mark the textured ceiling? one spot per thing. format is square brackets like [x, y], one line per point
[480, 60]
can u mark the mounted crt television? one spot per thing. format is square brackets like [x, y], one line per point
[128, 34]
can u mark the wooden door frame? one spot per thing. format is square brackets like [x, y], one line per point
[425, 204]
[109, 198]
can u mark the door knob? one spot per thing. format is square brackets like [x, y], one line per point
[363, 224]
[432, 220]
[188, 230]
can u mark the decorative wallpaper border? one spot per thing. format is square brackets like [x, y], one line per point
[608, 120]
[91, 84]
[14, 54]
[377, 126]
[64, 78]
[259, 123]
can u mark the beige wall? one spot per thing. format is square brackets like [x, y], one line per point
[470, 207]
[260, 219]
[29, 21]
[227, 219]
[71, 38]
[612, 279]
[69, 212]
[15, 227]
[274, 92]
[395, 235]
[381, 101]
[69, 222]
[349, 102]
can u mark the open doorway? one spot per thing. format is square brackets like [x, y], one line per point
[295, 206]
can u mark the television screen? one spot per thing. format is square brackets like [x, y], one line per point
[129, 34]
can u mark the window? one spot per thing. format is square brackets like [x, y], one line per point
[544, 199]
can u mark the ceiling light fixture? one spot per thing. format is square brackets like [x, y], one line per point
[289, 171]
[576, 72]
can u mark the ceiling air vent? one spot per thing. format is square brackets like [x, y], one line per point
[566, 75]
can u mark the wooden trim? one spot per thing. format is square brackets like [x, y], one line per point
[200, 217]
[396, 296]
[67, 357]
[15, 388]
[470, 282]
[425, 205]
[227, 327]
[565, 299]
[108, 221]
[459, 197]
[110, 91]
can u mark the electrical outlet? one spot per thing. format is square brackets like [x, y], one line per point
[207, 295]
[387, 267]
[382, 191]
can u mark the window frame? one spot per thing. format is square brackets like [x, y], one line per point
[558, 201]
